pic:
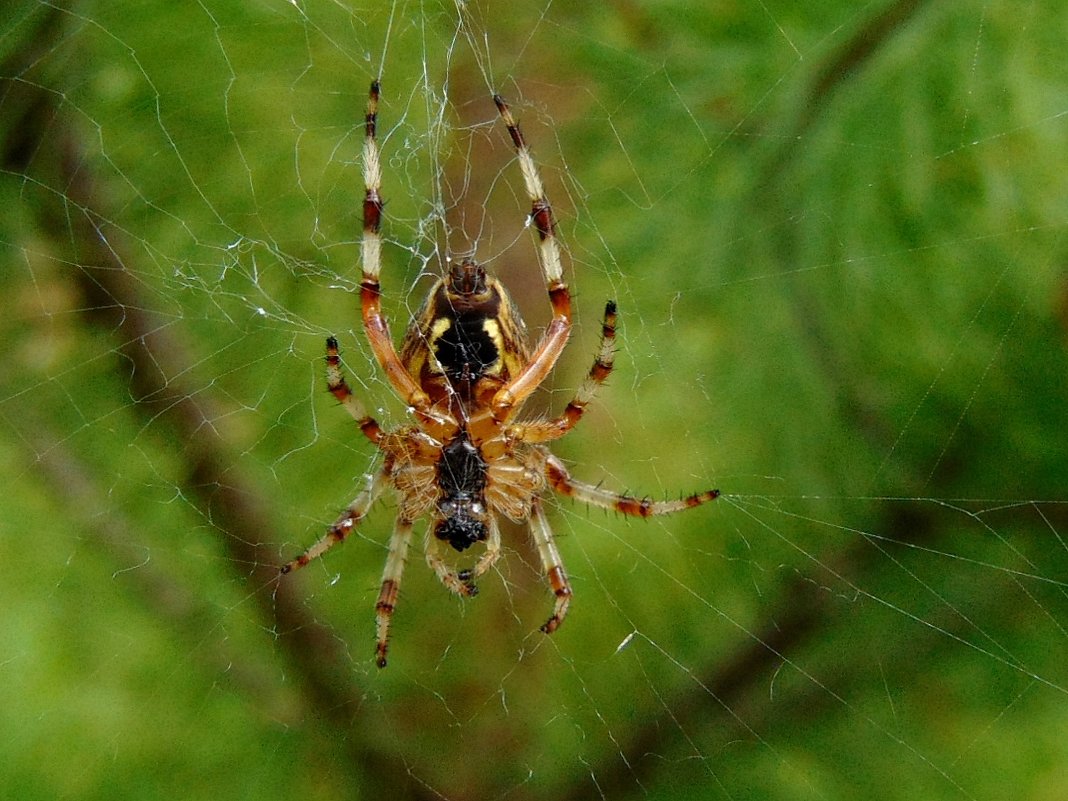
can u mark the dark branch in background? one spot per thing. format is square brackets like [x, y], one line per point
[164, 597]
[835, 72]
[802, 611]
[843, 66]
[854, 55]
[798, 615]
[43, 137]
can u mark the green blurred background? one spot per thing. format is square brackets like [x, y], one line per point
[837, 239]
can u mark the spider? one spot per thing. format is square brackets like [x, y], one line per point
[464, 370]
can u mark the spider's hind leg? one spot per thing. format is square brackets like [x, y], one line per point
[548, 430]
[522, 385]
[374, 321]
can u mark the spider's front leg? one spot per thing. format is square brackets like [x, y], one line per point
[552, 565]
[561, 481]
[391, 577]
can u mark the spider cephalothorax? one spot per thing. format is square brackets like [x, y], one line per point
[461, 508]
[465, 370]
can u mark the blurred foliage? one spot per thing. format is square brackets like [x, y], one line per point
[836, 235]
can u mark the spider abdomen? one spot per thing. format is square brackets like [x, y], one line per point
[468, 348]
[467, 341]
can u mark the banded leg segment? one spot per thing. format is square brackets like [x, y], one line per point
[374, 322]
[541, 212]
[556, 333]
[391, 578]
[344, 525]
[552, 566]
[548, 430]
[561, 481]
[339, 388]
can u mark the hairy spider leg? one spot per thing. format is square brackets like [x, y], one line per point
[344, 525]
[462, 582]
[561, 481]
[374, 322]
[553, 340]
[552, 566]
[339, 388]
[548, 430]
[493, 549]
[391, 578]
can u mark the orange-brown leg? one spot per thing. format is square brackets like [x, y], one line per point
[552, 566]
[561, 481]
[391, 578]
[519, 388]
[547, 430]
[345, 524]
[374, 322]
[339, 388]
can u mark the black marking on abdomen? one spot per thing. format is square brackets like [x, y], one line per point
[466, 349]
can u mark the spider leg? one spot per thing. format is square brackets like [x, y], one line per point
[460, 582]
[344, 525]
[556, 333]
[493, 549]
[335, 382]
[547, 430]
[561, 481]
[391, 577]
[552, 565]
[374, 322]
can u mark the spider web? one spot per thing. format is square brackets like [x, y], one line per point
[836, 236]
